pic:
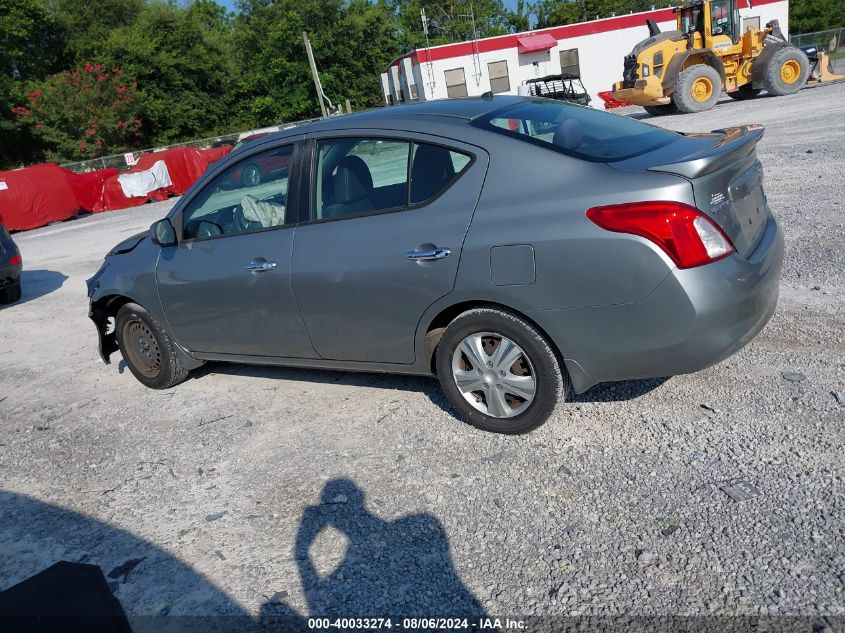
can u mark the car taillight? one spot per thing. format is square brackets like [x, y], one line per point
[688, 236]
[16, 260]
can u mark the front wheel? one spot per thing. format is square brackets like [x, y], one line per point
[147, 349]
[698, 89]
[499, 371]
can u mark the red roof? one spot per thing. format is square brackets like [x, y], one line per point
[534, 43]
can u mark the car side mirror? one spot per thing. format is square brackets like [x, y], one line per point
[163, 233]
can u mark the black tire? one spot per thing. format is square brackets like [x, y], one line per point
[745, 92]
[10, 294]
[660, 110]
[251, 175]
[776, 79]
[688, 81]
[147, 349]
[551, 382]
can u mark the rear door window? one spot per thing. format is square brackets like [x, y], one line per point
[582, 132]
[362, 176]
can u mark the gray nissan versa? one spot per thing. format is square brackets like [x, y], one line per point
[516, 248]
[10, 267]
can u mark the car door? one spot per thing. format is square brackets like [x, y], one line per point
[225, 287]
[388, 217]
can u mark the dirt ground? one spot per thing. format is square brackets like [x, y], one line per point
[272, 491]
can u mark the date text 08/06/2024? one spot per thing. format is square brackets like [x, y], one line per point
[411, 624]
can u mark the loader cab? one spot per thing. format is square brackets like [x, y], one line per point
[709, 23]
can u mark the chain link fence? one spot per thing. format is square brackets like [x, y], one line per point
[126, 160]
[831, 41]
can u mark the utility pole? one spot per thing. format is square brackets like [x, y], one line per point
[317, 84]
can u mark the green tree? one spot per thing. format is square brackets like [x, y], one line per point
[84, 113]
[30, 49]
[85, 25]
[809, 16]
[353, 41]
[182, 59]
[449, 21]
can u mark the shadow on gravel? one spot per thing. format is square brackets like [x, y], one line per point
[91, 576]
[399, 568]
[619, 391]
[35, 284]
[146, 580]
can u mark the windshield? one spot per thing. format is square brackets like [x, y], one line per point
[579, 131]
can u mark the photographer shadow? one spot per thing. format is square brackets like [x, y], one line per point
[396, 569]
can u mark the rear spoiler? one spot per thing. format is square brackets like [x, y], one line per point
[736, 143]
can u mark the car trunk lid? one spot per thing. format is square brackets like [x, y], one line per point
[726, 178]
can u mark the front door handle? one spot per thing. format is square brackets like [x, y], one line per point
[429, 254]
[260, 267]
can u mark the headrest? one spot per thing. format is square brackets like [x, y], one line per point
[431, 170]
[432, 161]
[352, 180]
[568, 134]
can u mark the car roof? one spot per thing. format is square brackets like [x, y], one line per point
[456, 110]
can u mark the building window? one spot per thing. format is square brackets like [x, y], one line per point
[456, 83]
[499, 79]
[569, 63]
[753, 23]
[413, 91]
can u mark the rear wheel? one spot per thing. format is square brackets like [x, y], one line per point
[787, 71]
[660, 110]
[147, 349]
[745, 92]
[698, 89]
[10, 294]
[499, 371]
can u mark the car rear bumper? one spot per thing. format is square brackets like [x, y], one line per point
[692, 320]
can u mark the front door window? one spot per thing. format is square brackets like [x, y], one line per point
[249, 196]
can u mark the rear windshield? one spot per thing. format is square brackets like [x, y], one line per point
[575, 130]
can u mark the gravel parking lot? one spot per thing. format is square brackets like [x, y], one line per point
[266, 491]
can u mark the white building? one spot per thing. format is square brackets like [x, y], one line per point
[594, 50]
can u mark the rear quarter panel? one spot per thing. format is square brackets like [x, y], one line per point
[538, 197]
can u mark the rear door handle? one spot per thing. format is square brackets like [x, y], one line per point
[429, 254]
[260, 267]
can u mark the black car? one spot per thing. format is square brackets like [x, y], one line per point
[10, 267]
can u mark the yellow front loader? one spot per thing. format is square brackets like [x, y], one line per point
[686, 69]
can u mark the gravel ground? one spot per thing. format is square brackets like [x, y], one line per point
[283, 491]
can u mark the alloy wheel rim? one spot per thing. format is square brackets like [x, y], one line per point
[702, 88]
[142, 348]
[251, 175]
[494, 375]
[789, 71]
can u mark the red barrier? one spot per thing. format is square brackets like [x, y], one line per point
[610, 102]
[184, 164]
[88, 187]
[38, 195]
[35, 196]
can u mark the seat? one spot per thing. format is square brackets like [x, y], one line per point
[431, 172]
[568, 135]
[352, 185]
